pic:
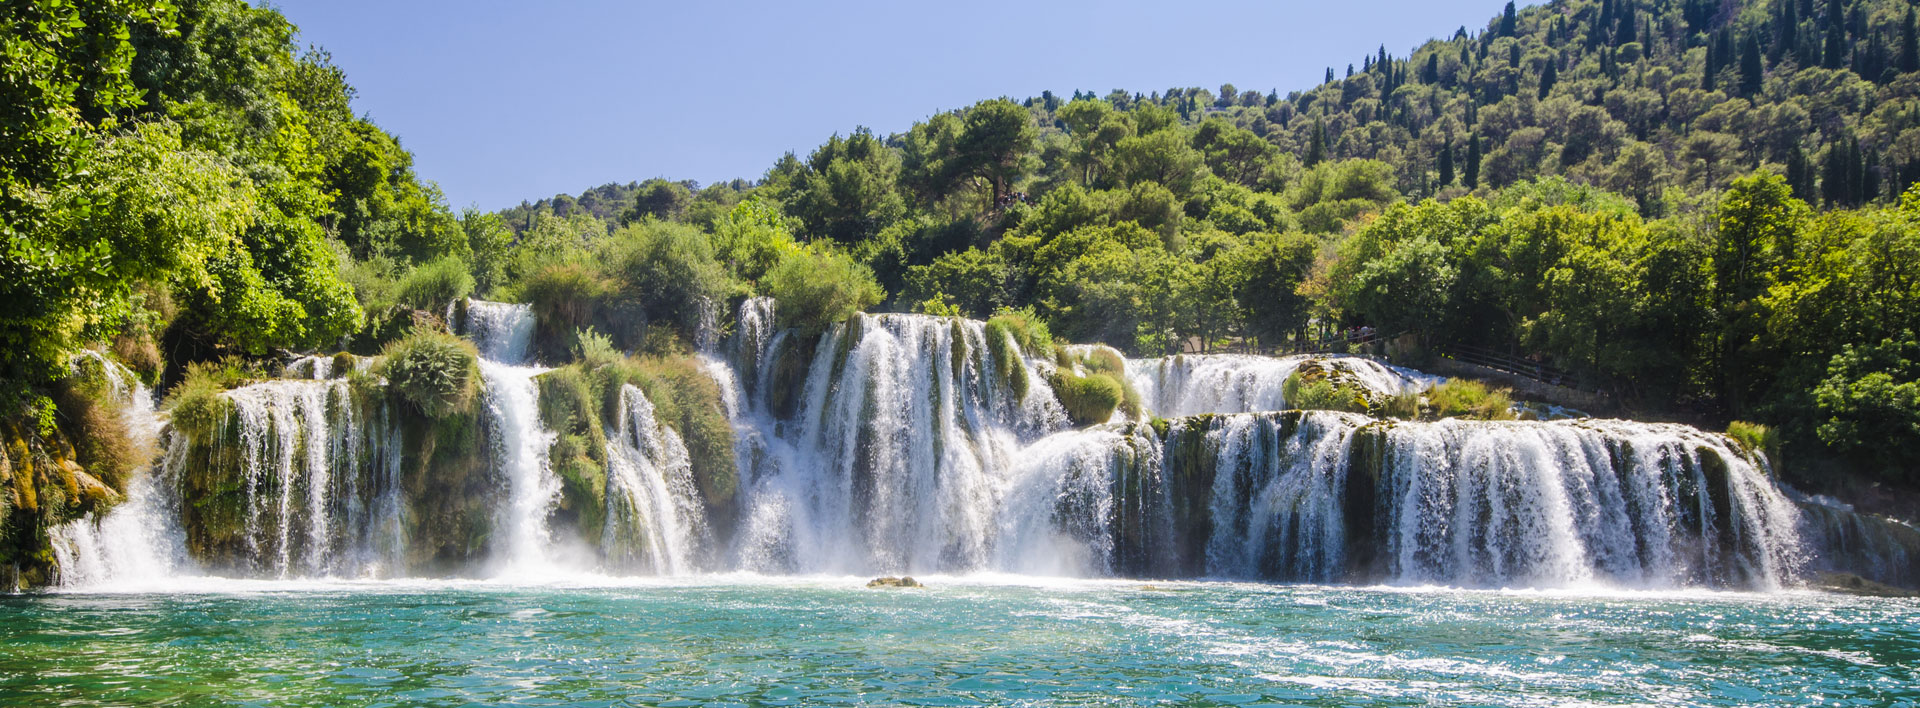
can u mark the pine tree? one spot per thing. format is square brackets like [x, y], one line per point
[1473, 161]
[1547, 79]
[1446, 164]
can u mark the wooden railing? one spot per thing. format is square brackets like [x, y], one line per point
[1516, 366]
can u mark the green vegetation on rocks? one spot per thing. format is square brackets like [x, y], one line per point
[436, 373]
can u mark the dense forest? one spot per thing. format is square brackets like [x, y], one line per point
[1700, 207]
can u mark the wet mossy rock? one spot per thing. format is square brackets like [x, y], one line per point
[42, 484]
[571, 410]
[893, 582]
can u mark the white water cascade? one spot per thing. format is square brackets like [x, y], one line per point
[901, 444]
[1195, 384]
[896, 455]
[138, 540]
[503, 333]
[654, 522]
[1328, 497]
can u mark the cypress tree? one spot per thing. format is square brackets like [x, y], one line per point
[1329, 74]
[1508, 21]
[1547, 78]
[1473, 161]
[1317, 145]
[1800, 175]
[1446, 163]
[1909, 44]
[1869, 178]
[1628, 32]
[1789, 30]
[1752, 72]
[1432, 73]
[1712, 69]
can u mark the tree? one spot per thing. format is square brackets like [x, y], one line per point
[848, 189]
[1446, 164]
[1752, 72]
[1473, 161]
[658, 199]
[1547, 78]
[1508, 21]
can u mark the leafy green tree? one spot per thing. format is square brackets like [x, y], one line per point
[847, 190]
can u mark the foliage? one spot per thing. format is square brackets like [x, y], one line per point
[1870, 403]
[436, 373]
[1465, 398]
[818, 285]
[432, 285]
[1322, 394]
[1089, 399]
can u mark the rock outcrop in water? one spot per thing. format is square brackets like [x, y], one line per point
[908, 443]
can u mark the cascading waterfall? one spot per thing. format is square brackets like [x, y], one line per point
[1321, 496]
[654, 520]
[503, 333]
[1194, 384]
[898, 443]
[139, 540]
[897, 453]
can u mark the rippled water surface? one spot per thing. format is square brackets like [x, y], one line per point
[963, 641]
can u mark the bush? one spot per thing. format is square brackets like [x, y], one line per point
[1320, 394]
[1091, 399]
[437, 373]
[1756, 438]
[667, 269]
[195, 405]
[816, 287]
[433, 285]
[1462, 398]
[1027, 330]
[564, 297]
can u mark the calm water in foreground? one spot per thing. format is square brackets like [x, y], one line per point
[1003, 641]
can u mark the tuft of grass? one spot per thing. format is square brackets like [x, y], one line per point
[1463, 398]
[1090, 399]
[1757, 439]
[1319, 394]
[1027, 330]
[435, 372]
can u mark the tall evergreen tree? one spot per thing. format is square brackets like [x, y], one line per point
[1473, 161]
[1446, 163]
[1317, 145]
[1547, 78]
[1909, 44]
[1752, 71]
[1627, 32]
[1509, 21]
[1800, 175]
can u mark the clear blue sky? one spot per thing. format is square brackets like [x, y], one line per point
[504, 101]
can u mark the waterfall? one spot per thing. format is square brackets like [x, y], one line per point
[895, 454]
[1322, 496]
[138, 540]
[901, 444]
[654, 520]
[1193, 384]
[504, 332]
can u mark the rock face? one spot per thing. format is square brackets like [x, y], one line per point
[893, 582]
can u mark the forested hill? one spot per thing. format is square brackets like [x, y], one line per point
[1692, 205]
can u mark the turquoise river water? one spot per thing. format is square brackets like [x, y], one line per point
[994, 640]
